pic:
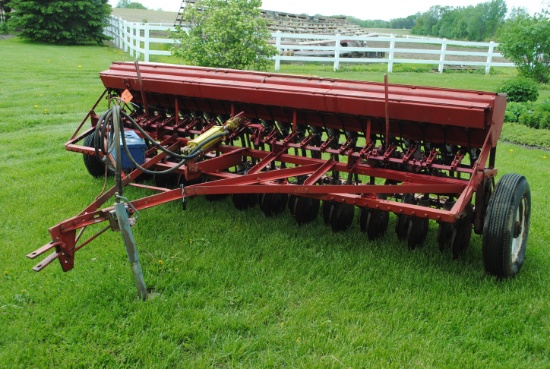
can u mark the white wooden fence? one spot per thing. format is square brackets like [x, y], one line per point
[136, 39]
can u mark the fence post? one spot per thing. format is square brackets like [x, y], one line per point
[146, 44]
[131, 38]
[126, 36]
[119, 33]
[442, 55]
[113, 29]
[392, 54]
[489, 57]
[278, 46]
[138, 40]
[337, 47]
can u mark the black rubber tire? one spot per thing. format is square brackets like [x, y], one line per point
[327, 210]
[342, 216]
[244, 201]
[92, 163]
[460, 239]
[417, 232]
[506, 226]
[272, 203]
[374, 222]
[456, 236]
[304, 209]
[402, 223]
[402, 226]
[292, 204]
[444, 235]
[214, 198]
[166, 180]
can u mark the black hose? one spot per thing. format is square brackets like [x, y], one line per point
[106, 119]
[151, 140]
[196, 152]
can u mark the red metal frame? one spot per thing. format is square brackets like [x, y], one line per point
[178, 96]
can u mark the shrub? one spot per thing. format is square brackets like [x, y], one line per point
[530, 119]
[4, 30]
[225, 34]
[525, 40]
[520, 89]
[61, 22]
[514, 110]
[544, 122]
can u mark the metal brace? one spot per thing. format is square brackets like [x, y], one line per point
[121, 211]
[183, 199]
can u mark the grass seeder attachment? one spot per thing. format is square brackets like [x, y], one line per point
[331, 148]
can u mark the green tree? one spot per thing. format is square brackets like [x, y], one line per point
[4, 10]
[485, 19]
[525, 40]
[61, 22]
[130, 5]
[404, 23]
[427, 23]
[475, 23]
[224, 34]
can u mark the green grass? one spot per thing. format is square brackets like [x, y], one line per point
[236, 289]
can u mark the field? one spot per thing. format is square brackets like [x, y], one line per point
[235, 289]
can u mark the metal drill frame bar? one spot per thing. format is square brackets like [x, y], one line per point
[64, 235]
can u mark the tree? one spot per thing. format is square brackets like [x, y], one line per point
[427, 23]
[61, 22]
[475, 23]
[224, 34]
[4, 10]
[525, 40]
[130, 5]
[404, 23]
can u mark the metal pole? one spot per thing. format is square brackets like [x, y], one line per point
[131, 249]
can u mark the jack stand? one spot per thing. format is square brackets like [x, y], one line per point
[131, 249]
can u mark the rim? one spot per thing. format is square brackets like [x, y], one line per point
[519, 229]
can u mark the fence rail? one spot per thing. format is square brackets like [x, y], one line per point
[139, 39]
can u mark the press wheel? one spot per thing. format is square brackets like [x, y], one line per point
[342, 216]
[243, 201]
[272, 203]
[417, 232]
[402, 223]
[327, 209]
[456, 236]
[304, 209]
[374, 222]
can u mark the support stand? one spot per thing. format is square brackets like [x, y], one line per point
[131, 249]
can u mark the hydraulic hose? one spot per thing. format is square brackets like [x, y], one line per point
[112, 119]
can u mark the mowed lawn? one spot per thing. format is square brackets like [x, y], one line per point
[236, 289]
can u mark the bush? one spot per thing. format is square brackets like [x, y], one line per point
[225, 34]
[514, 110]
[4, 29]
[520, 89]
[529, 114]
[61, 22]
[544, 110]
[530, 119]
[544, 122]
[524, 39]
